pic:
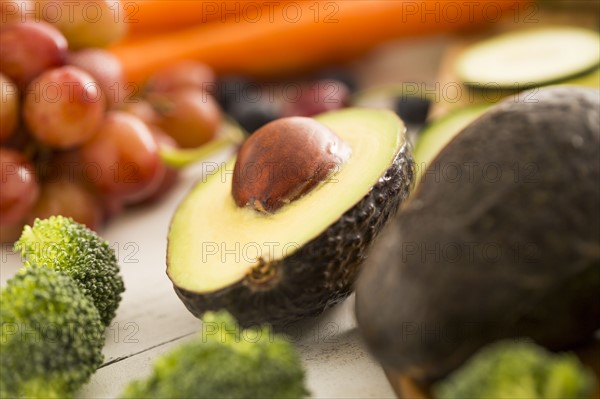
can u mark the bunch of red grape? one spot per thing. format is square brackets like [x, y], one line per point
[77, 139]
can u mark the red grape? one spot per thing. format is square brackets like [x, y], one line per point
[191, 117]
[125, 156]
[106, 69]
[87, 23]
[67, 198]
[143, 110]
[183, 75]
[321, 96]
[20, 140]
[68, 165]
[20, 189]
[63, 107]
[171, 175]
[9, 107]
[12, 11]
[163, 140]
[65, 165]
[11, 232]
[29, 48]
[112, 206]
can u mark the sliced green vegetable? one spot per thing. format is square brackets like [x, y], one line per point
[529, 58]
[440, 132]
[591, 79]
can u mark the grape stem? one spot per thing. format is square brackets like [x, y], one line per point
[231, 134]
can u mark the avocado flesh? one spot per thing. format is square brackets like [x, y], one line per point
[423, 309]
[310, 248]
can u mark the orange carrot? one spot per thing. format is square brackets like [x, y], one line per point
[153, 16]
[297, 36]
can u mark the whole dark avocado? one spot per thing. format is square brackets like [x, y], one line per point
[216, 235]
[500, 239]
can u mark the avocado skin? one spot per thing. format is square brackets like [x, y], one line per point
[424, 311]
[323, 271]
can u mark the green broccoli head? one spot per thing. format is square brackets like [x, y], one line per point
[516, 370]
[225, 361]
[63, 244]
[51, 338]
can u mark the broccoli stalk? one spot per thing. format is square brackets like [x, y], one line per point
[51, 338]
[517, 370]
[65, 245]
[226, 362]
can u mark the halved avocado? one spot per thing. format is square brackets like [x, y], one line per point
[304, 258]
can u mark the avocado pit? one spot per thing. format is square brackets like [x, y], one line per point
[284, 160]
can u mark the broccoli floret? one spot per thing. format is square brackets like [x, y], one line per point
[517, 370]
[63, 244]
[226, 362]
[51, 338]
